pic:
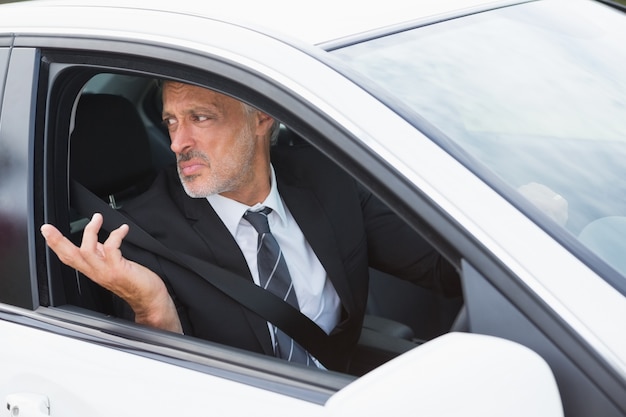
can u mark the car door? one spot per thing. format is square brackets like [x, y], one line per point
[61, 360]
[71, 359]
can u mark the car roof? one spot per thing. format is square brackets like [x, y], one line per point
[313, 22]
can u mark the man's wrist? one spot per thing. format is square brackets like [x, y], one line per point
[159, 313]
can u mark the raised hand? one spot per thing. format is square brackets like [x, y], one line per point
[104, 264]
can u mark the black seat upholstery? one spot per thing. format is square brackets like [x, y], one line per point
[110, 155]
[109, 147]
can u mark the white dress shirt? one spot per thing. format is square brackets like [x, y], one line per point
[317, 297]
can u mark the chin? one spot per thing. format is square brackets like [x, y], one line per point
[193, 187]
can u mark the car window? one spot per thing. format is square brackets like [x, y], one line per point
[535, 95]
[107, 135]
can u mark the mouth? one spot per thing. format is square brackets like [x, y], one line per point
[189, 169]
[190, 164]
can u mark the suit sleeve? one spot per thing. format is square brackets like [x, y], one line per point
[397, 249]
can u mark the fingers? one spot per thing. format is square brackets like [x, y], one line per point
[91, 255]
[67, 252]
[90, 234]
[111, 246]
[116, 236]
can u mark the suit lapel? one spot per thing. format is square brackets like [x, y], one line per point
[222, 250]
[319, 233]
[222, 247]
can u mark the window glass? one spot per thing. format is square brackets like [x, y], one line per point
[535, 92]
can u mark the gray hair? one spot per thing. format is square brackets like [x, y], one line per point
[246, 107]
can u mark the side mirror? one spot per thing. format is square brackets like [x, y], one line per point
[457, 374]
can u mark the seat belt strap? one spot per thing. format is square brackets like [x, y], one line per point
[245, 292]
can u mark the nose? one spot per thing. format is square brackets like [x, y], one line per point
[181, 139]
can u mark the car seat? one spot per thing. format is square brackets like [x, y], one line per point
[109, 147]
[110, 155]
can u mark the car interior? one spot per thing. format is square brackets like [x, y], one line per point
[118, 144]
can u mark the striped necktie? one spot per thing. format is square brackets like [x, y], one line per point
[274, 277]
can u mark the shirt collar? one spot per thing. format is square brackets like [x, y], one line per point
[231, 211]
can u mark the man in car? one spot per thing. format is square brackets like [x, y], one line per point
[329, 229]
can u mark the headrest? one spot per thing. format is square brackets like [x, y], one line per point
[109, 147]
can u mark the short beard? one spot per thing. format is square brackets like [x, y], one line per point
[185, 180]
[226, 175]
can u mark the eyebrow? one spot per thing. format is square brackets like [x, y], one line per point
[212, 109]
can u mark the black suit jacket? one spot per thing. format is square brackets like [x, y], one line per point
[347, 228]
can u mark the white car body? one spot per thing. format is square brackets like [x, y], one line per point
[52, 365]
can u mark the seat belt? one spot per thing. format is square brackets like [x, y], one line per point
[245, 292]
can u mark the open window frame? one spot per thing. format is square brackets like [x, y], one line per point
[65, 76]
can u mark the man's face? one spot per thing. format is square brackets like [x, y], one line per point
[213, 137]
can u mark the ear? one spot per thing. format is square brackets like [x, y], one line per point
[264, 123]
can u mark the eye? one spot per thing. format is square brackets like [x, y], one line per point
[199, 118]
[168, 122]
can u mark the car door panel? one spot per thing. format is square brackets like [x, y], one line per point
[80, 378]
[73, 372]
